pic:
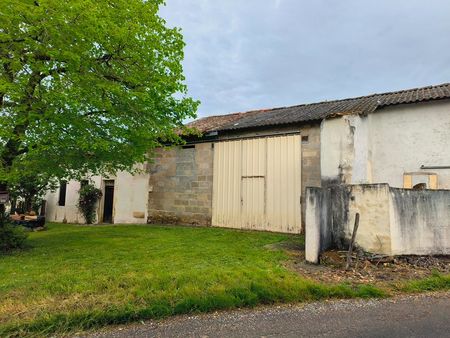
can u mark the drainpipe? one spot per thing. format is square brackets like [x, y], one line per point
[435, 167]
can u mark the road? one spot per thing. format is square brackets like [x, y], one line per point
[405, 316]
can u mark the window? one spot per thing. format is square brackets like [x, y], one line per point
[420, 180]
[305, 139]
[62, 193]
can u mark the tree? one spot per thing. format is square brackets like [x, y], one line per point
[87, 86]
[31, 188]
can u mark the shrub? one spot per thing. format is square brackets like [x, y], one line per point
[11, 236]
[89, 196]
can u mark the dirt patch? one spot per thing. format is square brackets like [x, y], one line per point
[365, 268]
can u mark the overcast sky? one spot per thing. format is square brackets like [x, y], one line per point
[251, 54]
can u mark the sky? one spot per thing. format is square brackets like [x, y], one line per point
[253, 54]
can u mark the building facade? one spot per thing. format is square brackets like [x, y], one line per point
[124, 199]
[251, 170]
[402, 145]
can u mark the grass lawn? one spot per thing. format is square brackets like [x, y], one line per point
[74, 278]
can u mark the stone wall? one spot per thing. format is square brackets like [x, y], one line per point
[392, 221]
[181, 185]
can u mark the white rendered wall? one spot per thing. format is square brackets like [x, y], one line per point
[68, 212]
[381, 147]
[405, 137]
[336, 149]
[130, 200]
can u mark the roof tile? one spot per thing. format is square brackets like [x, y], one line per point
[320, 110]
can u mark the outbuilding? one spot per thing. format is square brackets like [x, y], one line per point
[250, 170]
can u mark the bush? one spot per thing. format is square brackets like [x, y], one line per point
[89, 196]
[11, 236]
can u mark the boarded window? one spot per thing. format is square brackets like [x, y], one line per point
[62, 193]
[425, 180]
[407, 181]
[432, 181]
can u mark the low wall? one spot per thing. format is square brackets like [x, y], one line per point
[420, 221]
[392, 221]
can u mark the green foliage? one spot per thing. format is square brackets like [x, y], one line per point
[31, 188]
[11, 237]
[89, 196]
[437, 281]
[86, 86]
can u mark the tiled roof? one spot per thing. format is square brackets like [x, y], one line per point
[319, 111]
[211, 123]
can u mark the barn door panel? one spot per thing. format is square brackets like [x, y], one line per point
[257, 184]
[253, 203]
[253, 183]
[284, 183]
[227, 184]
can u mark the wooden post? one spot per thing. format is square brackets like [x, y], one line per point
[350, 248]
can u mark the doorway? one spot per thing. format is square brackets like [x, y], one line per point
[108, 205]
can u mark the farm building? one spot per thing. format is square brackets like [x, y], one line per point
[124, 199]
[250, 170]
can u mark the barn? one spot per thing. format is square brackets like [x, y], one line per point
[251, 170]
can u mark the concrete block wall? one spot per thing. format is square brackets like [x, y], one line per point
[181, 179]
[180, 187]
[310, 162]
[393, 221]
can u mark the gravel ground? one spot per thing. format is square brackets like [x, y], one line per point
[425, 315]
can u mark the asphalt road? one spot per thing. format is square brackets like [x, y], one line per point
[406, 316]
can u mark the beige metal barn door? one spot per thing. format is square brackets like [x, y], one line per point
[257, 184]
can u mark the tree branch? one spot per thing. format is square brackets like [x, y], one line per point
[12, 41]
[94, 112]
[117, 79]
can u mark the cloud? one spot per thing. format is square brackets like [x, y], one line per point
[278, 3]
[243, 55]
